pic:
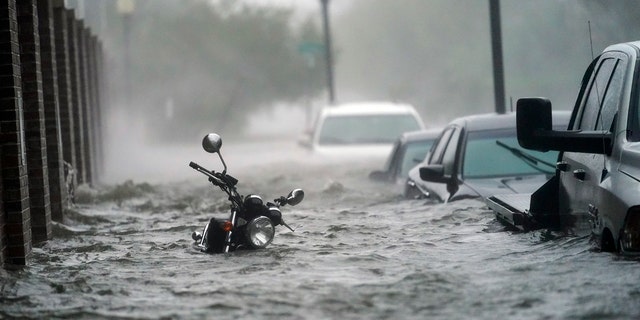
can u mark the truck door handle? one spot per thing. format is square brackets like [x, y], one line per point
[579, 174]
[562, 166]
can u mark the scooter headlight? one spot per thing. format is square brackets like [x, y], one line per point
[260, 232]
[630, 238]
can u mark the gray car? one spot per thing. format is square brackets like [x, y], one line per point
[408, 151]
[479, 156]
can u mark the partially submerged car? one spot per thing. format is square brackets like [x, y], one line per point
[363, 130]
[479, 156]
[408, 150]
[596, 185]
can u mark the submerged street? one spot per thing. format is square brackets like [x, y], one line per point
[358, 251]
[105, 104]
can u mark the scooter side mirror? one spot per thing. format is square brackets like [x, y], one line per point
[212, 143]
[295, 197]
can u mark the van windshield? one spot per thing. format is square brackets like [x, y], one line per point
[365, 129]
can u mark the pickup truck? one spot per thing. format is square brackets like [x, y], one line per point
[596, 186]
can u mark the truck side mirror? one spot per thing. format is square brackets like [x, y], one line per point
[533, 116]
[535, 131]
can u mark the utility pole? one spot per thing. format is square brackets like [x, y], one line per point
[328, 50]
[496, 48]
[126, 8]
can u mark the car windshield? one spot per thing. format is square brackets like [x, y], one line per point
[487, 155]
[414, 154]
[356, 129]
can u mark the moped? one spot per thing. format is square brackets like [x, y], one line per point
[251, 223]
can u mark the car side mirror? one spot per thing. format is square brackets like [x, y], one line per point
[433, 173]
[535, 131]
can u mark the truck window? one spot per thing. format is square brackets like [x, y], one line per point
[612, 97]
[595, 95]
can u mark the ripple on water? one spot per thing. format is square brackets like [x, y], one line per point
[358, 252]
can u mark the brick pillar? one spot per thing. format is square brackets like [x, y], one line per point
[15, 221]
[61, 39]
[3, 224]
[55, 162]
[34, 120]
[87, 106]
[95, 103]
[76, 97]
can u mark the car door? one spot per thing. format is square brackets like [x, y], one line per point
[446, 154]
[582, 174]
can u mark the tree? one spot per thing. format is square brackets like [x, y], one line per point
[199, 67]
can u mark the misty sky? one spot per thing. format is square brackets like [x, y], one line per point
[436, 55]
[304, 6]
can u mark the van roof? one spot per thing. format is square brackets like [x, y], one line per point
[369, 108]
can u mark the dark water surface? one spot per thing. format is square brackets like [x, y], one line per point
[358, 252]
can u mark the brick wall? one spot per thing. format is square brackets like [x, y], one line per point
[50, 81]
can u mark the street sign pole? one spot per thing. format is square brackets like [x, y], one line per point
[328, 51]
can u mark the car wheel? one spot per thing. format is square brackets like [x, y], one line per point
[607, 244]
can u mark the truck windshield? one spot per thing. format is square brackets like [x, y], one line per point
[484, 158]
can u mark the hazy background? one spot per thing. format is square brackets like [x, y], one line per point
[179, 69]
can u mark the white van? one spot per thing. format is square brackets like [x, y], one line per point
[364, 130]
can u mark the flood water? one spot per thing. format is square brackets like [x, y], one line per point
[359, 251]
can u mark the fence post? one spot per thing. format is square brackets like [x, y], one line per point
[61, 39]
[76, 97]
[55, 162]
[33, 113]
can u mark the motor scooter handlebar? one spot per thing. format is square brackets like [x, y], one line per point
[211, 174]
[216, 178]
[227, 179]
[196, 166]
